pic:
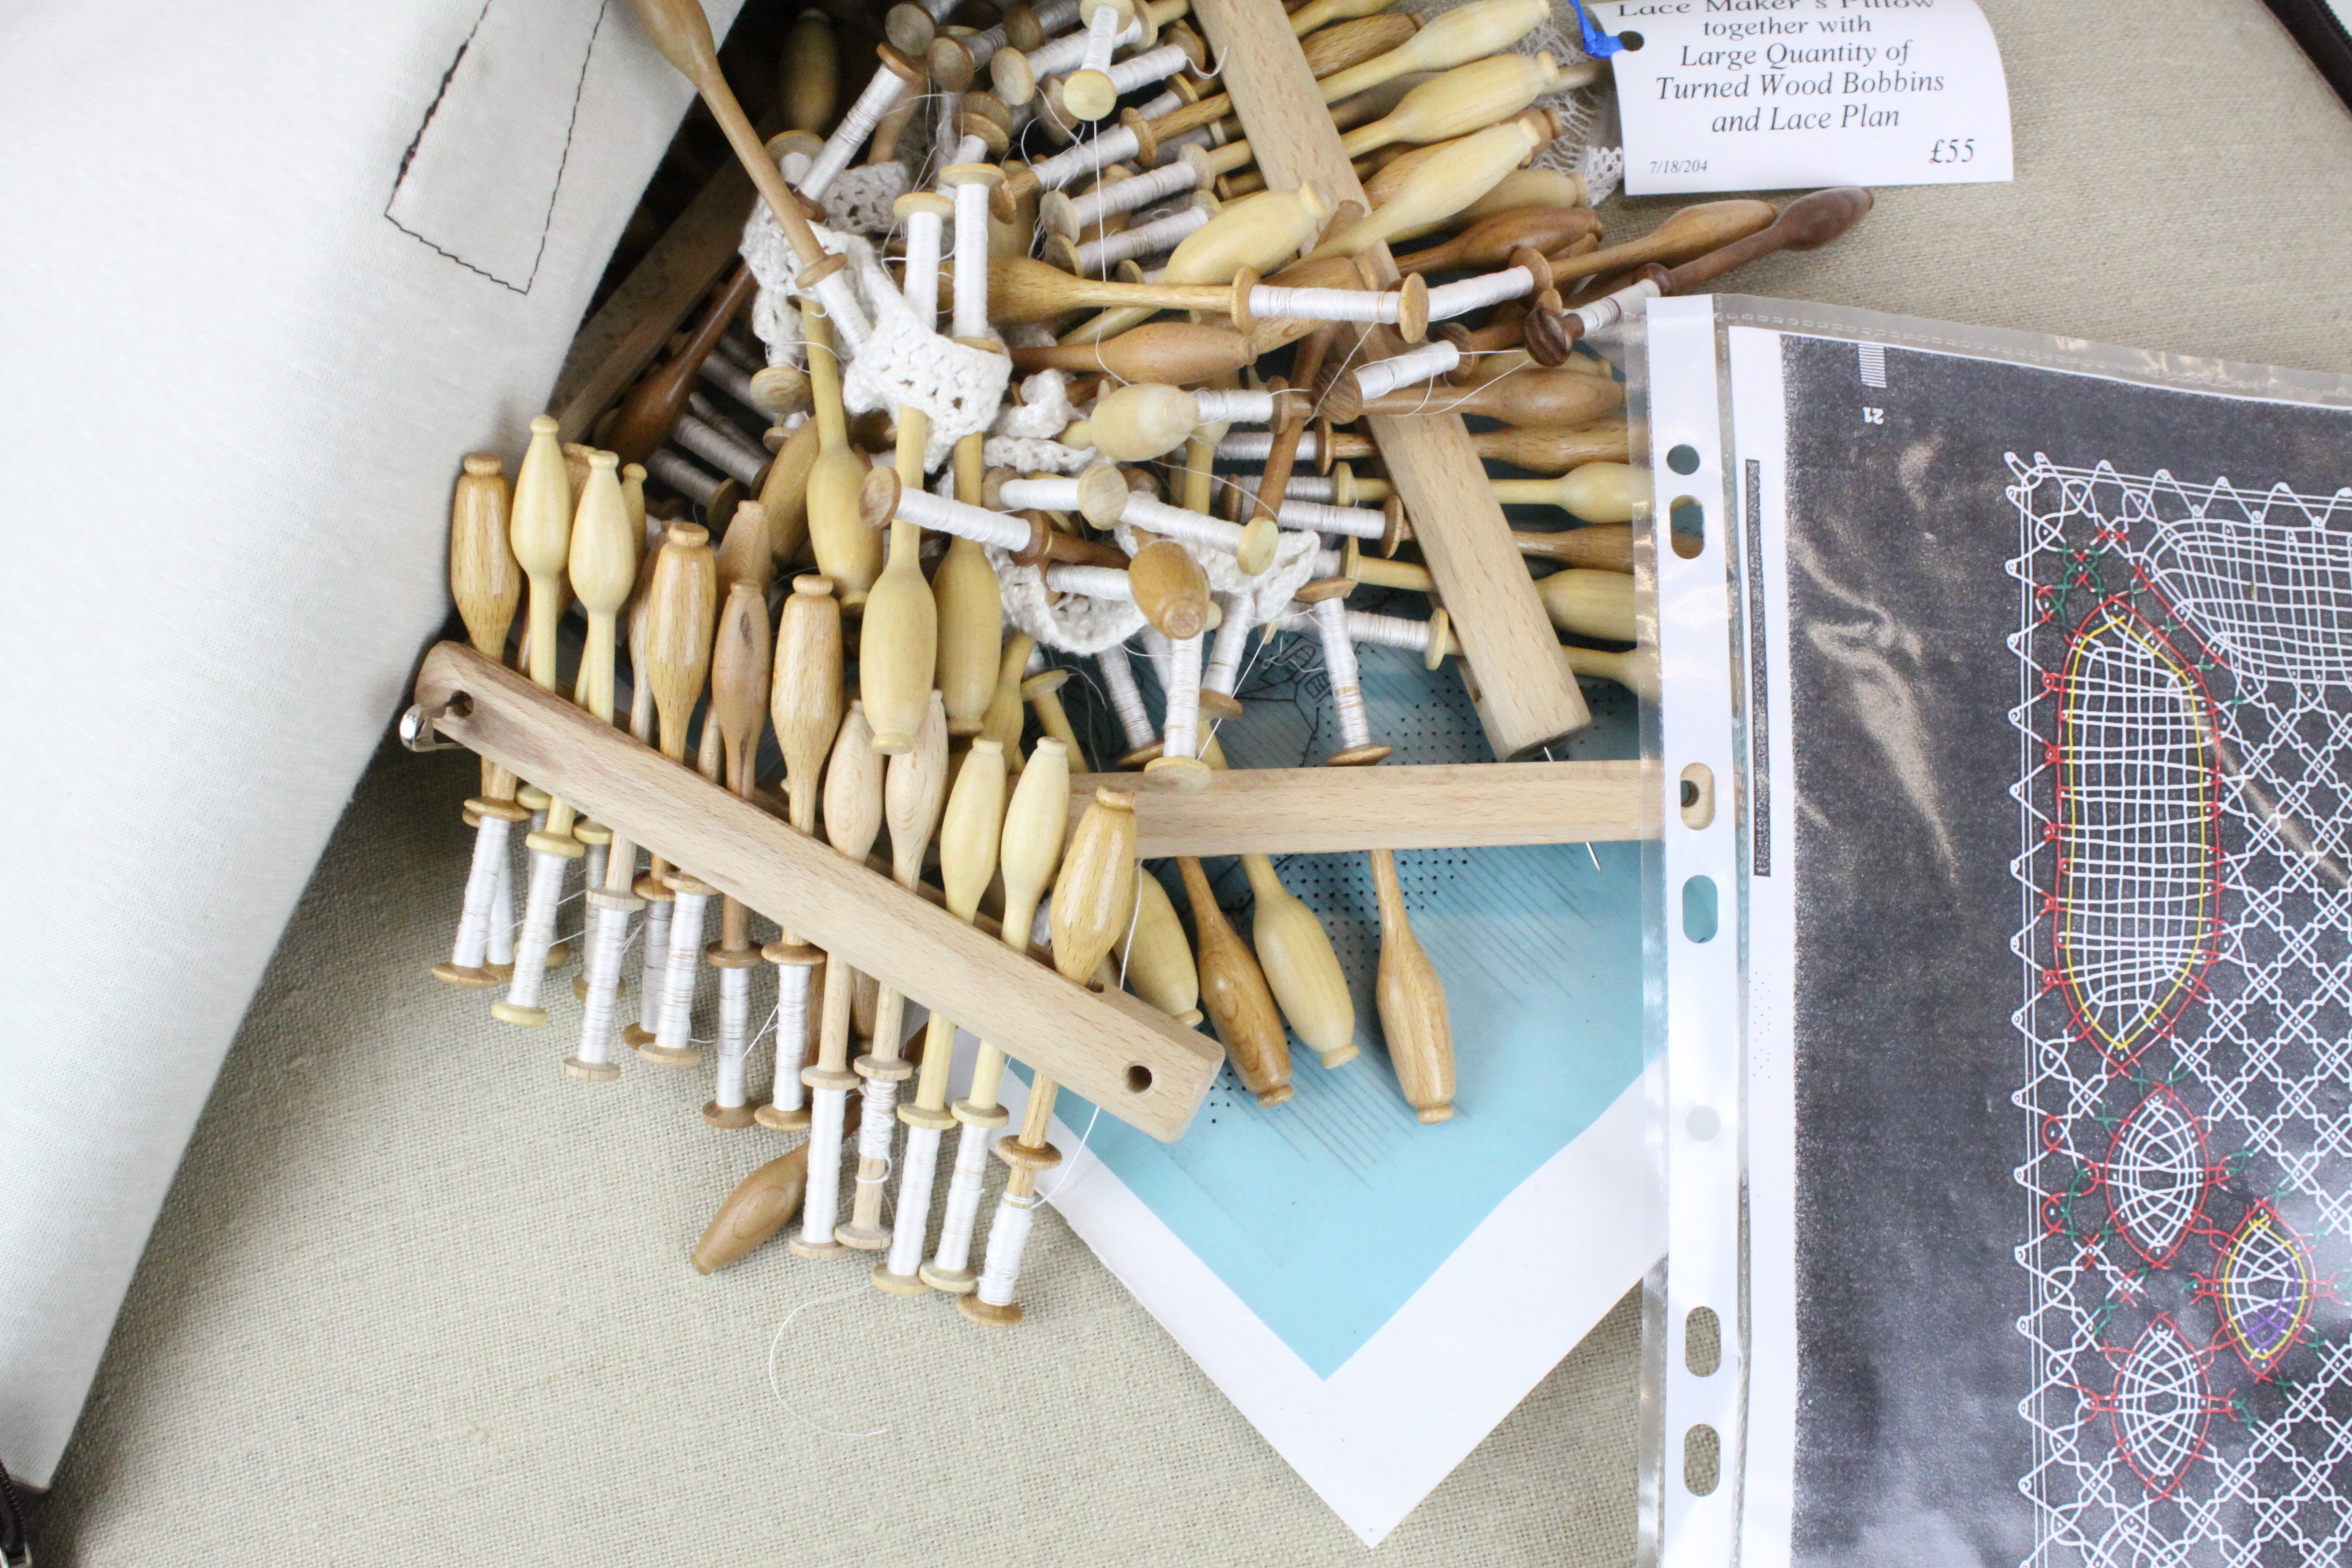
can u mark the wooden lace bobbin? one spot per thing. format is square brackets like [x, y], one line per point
[715, 495]
[681, 608]
[1320, 13]
[1090, 93]
[654, 957]
[1069, 217]
[1548, 399]
[1466, 33]
[911, 24]
[956, 58]
[487, 585]
[1259, 234]
[970, 185]
[1223, 671]
[1029, 852]
[1029, 538]
[1002, 722]
[913, 792]
[603, 571]
[1042, 689]
[721, 446]
[970, 611]
[1442, 185]
[1017, 70]
[650, 411]
[1173, 593]
[898, 640]
[847, 551]
[1093, 257]
[761, 1205]
[1491, 241]
[853, 818]
[1099, 494]
[806, 704]
[967, 860]
[1176, 352]
[1468, 98]
[1234, 992]
[808, 76]
[1093, 906]
[741, 653]
[541, 534]
[785, 496]
[1155, 960]
[1327, 51]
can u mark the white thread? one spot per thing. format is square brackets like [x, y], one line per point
[1224, 669]
[821, 1201]
[1066, 168]
[1058, 55]
[1039, 495]
[684, 967]
[1137, 190]
[971, 149]
[965, 521]
[1164, 105]
[982, 47]
[954, 1252]
[1392, 631]
[1180, 732]
[971, 262]
[1008, 1238]
[713, 447]
[1240, 407]
[502, 907]
[923, 234]
[599, 856]
[791, 1028]
[1449, 300]
[546, 890]
[777, 1389]
[1605, 313]
[1354, 521]
[695, 483]
[734, 1036]
[882, 90]
[1102, 29]
[1073, 623]
[608, 934]
[918, 1176]
[1380, 306]
[728, 377]
[1302, 487]
[1096, 582]
[724, 423]
[878, 1120]
[1255, 446]
[1126, 699]
[1194, 528]
[656, 961]
[1141, 70]
[1339, 664]
[1386, 375]
[1145, 239]
[481, 892]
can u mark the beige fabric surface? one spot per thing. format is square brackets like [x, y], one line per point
[417, 1297]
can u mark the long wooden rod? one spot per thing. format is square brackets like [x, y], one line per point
[1313, 811]
[1115, 1049]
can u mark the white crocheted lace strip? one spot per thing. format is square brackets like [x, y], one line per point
[1043, 411]
[861, 199]
[904, 363]
[1271, 591]
[1032, 456]
[1076, 624]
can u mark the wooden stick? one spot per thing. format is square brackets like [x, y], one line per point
[1527, 694]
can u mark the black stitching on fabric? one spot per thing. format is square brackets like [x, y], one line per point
[571, 127]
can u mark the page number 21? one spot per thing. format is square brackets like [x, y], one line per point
[1874, 416]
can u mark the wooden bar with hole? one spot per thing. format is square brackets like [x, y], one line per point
[1113, 1048]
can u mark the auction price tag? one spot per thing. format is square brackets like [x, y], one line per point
[1738, 95]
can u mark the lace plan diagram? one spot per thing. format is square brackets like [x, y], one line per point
[2185, 944]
